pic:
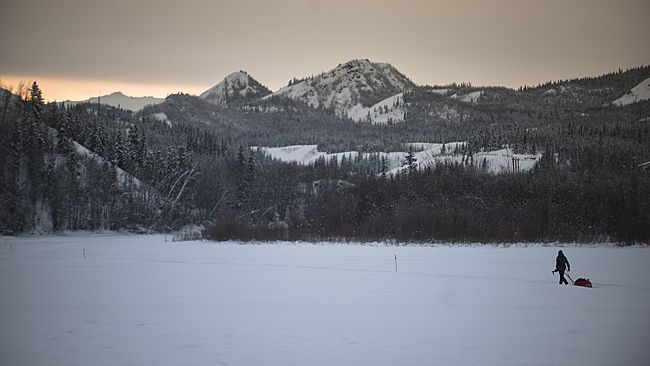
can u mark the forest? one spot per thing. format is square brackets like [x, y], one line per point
[95, 167]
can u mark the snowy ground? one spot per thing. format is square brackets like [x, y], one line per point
[637, 94]
[138, 300]
[429, 154]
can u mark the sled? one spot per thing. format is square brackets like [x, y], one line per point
[584, 282]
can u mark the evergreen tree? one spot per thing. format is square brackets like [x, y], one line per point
[410, 162]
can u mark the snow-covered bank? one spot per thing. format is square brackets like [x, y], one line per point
[429, 154]
[146, 301]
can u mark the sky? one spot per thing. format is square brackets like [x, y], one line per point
[76, 49]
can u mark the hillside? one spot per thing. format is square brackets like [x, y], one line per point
[639, 93]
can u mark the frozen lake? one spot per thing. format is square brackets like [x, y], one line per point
[139, 300]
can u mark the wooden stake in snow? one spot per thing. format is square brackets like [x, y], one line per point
[84, 253]
[395, 262]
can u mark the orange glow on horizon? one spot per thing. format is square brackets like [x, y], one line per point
[61, 89]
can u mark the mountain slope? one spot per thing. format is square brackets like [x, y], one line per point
[350, 87]
[638, 93]
[7, 96]
[428, 155]
[119, 100]
[236, 87]
[389, 110]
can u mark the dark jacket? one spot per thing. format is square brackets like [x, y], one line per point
[561, 263]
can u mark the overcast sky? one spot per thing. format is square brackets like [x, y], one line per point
[79, 48]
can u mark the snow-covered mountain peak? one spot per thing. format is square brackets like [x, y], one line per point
[366, 77]
[236, 86]
[237, 80]
[352, 86]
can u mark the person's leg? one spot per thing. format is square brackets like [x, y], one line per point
[562, 279]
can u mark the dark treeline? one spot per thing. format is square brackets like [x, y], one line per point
[456, 203]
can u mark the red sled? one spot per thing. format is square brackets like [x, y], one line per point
[584, 282]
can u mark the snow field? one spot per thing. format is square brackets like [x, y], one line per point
[141, 300]
[430, 154]
[638, 93]
[468, 98]
[162, 117]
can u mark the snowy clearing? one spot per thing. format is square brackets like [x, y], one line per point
[141, 300]
[162, 117]
[638, 93]
[390, 109]
[469, 98]
[428, 154]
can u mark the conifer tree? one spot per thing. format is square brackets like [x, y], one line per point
[410, 162]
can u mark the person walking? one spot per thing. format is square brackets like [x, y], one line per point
[561, 265]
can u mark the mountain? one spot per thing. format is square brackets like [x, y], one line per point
[236, 87]
[352, 89]
[120, 100]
